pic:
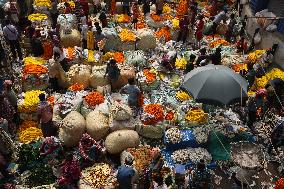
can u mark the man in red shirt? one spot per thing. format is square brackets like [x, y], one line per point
[85, 7]
[242, 45]
[184, 29]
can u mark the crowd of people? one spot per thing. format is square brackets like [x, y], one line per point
[17, 28]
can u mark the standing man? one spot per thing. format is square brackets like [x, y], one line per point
[113, 73]
[277, 137]
[45, 114]
[11, 34]
[126, 175]
[126, 7]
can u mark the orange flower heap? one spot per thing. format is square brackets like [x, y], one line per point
[155, 110]
[76, 87]
[118, 57]
[219, 42]
[149, 76]
[27, 124]
[35, 69]
[127, 36]
[182, 8]
[94, 98]
[170, 116]
[142, 157]
[163, 32]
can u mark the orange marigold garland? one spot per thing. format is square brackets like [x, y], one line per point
[279, 184]
[156, 113]
[163, 32]
[35, 69]
[48, 50]
[94, 98]
[76, 87]
[149, 76]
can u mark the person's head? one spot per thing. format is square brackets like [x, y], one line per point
[131, 81]
[159, 180]
[200, 17]
[8, 21]
[256, 30]
[192, 7]
[99, 31]
[201, 165]
[112, 62]
[97, 24]
[242, 38]
[8, 84]
[69, 156]
[250, 66]
[56, 55]
[202, 51]
[218, 50]
[128, 161]
[66, 4]
[41, 97]
[169, 180]
[192, 58]
[232, 16]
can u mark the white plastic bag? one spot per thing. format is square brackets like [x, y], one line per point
[257, 39]
[271, 28]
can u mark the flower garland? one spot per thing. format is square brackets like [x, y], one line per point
[180, 63]
[150, 77]
[118, 57]
[34, 60]
[94, 99]
[27, 124]
[30, 102]
[123, 18]
[141, 22]
[197, 116]
[254, 56]
[30, 134]
[219, 42]
[155, 111]
[37, 17]
[34, 69]
[279, 184]
[127, 36]
[183, 96]
[76, 87]
[163, 32]
[42, 3]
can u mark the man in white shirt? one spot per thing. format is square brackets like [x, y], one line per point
[11, 34]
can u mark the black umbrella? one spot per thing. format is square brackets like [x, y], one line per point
[218, 85]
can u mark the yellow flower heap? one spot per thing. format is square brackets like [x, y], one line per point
[127, 36]
[183, 96]
[30, 102]
[107, 56]
[34, 60]
[180, 63]
[37, 17]
[29, 132]
[273, 74]
[123, 18]
[197, 116]
[42, 3]
[254, 56]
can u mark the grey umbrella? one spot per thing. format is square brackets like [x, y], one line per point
[218, 85]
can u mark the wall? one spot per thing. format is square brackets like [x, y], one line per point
[268, 39]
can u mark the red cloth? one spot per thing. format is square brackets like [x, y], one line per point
[68, 10]
[199, 30]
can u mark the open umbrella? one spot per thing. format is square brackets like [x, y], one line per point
[217, 85]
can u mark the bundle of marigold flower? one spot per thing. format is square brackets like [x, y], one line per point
[123, 18]
[118, 57]
[142, 157]
[183, 96]
[27, 124]
[170, 116]
[30, 134]
[155, 17]
[175, 23]
[156, 113]
[76, 87]
[180, 63]
[37, 17]
[34, 60]
[197, 116]
[166, 8]
[254, 56]
[127, 36]
[42, 3]
[182, 8]
[219, 42]
[107, 56]
[30, 102]
[163, 32]
[35, 69]
[150, 77]
[94, 99]
[50, 99]
[279, 184]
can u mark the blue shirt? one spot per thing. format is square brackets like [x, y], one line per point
[124, 176]
[133, 92]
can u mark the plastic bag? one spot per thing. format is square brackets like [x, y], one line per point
[257, 38]
[271, 28]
